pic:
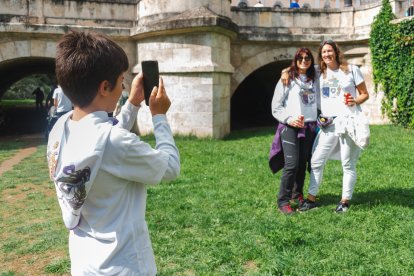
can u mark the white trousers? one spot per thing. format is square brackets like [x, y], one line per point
[349, 154]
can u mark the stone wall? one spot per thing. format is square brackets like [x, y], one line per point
[206, 48]
[195, 68]
[115, 14]
[314, 4]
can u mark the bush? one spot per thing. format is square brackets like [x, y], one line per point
[392, 49]
[23, 88]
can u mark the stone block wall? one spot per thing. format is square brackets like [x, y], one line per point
[200, 105]
[315, 4]
[196, 71]
[115, 14]
[205, 48]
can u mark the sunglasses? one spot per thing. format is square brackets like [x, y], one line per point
[300, 59]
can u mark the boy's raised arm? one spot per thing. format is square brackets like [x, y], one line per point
[159, 104]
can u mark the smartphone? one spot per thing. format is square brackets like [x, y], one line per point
[151, 77]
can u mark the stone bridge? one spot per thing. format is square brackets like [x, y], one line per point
[220, 60]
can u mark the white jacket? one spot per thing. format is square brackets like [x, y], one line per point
[100, 172]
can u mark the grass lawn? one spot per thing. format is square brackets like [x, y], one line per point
[220, 217]
[8, 149]
[21, 102]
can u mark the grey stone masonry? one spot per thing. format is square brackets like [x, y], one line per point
[206, 48]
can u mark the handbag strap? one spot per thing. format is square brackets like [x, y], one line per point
[353, 77]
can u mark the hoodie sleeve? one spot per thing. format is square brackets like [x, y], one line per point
[130, 158]
[165, 142]
[279, 103]
[127, 116]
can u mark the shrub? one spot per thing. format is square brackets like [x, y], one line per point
[392, 49]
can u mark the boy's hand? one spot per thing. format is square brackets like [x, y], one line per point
[136, 96]
[159, 103]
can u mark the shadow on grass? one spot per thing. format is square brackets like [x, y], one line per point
[391, 196]
[15, 142]
[249, 133]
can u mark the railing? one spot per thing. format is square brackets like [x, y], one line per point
[303, 3]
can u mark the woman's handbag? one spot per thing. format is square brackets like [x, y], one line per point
[361, 131]
[324, 121]
[356, 125]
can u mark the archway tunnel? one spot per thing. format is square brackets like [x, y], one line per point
[251, 102]
[22, 119]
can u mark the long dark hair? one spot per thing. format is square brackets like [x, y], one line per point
[294, 70]
[342, 63]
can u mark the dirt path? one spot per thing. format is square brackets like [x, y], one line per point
[31, 141]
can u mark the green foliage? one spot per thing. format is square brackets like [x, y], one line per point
[13, 103]
[392, 48]
[23, 88]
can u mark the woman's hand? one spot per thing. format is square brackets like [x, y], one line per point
[362, 97]
[349, 100]
[285, 76]
[298, 123]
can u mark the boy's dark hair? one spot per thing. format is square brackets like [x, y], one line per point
[83, 61]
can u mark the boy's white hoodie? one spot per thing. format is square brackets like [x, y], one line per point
[100, 171]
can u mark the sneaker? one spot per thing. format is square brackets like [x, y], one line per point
[307, 205]
[287, 210]
[301, 200]
[342, 207]
[297, 202]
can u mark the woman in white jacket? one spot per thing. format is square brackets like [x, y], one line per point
[339, 83]
[295, 107]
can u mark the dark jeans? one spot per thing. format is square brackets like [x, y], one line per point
[296, 152]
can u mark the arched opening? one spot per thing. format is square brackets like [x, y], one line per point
[251, 102]
[24, 75]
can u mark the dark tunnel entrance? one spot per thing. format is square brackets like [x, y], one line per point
[251, 102]
[16, 116]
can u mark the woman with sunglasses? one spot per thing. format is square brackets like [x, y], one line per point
[295, 108]
[339, 84]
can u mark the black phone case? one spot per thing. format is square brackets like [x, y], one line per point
[151, 77]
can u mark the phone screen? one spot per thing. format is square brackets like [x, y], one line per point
[151, 77]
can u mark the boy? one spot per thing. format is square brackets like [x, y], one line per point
[98, 166]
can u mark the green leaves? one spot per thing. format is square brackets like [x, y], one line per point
[392, 49]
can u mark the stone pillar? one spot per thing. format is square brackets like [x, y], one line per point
[191, 41]
[399, 7]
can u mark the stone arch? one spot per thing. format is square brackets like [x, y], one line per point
[243, 4]
[410, 11]
[254, 82]
[253, 63]
[278, 4]
[21, 58]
